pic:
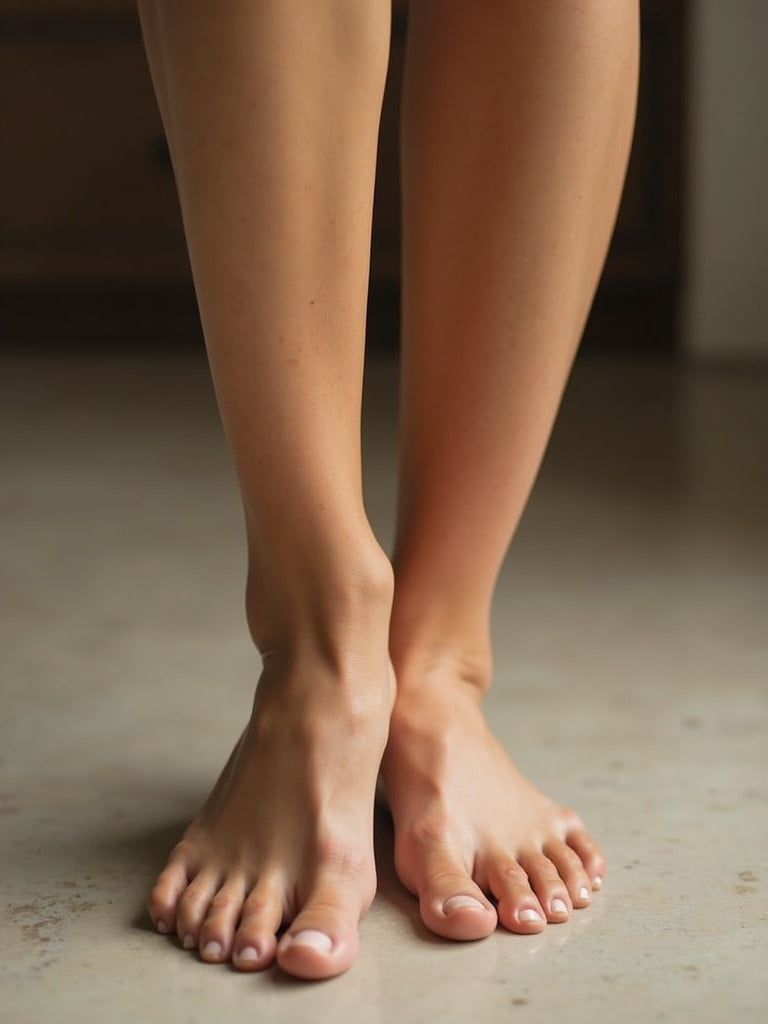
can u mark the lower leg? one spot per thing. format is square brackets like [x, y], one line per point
[271, 112]
[516, 132]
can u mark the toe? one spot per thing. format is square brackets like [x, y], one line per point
[254, 945]
[322, 940]
[164, 897]
[518, 907]
[549, 887]
[451, 903]
[217, 930]
[571, 870]
[590, 854]
[193, 907]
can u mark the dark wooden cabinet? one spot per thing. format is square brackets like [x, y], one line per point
[91, 244]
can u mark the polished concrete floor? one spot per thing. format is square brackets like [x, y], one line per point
[632, 682]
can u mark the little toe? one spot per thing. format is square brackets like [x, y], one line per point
[571, 870]
[549, 887]
[590, 854]
[165, 893]
[322, 940]
[518, 908]
[193, 906]
[255, 940]
[217, 930]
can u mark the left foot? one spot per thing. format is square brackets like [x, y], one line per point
[468, 824]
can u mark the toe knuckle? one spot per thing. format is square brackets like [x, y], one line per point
[588, 844]
[344, 859]
[428, 832]
[448, 879]
[190, 899]
[571, 860]
[182, 851]
[513, 874]
[221, 901]
[549, 875]
[507, 868]
[256, 906]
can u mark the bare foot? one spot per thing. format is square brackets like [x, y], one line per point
[285, 837]
[467, 823]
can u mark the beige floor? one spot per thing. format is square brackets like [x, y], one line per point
[632, 648]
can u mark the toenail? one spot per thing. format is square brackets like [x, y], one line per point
[162, 927]
[212, 949]
[559, 907]
[313, 939]
[247, 955]
[583, 893]
[462, 901]
[189, 942]
[529, 915]
[597, 881]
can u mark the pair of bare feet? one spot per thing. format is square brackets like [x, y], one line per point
[286, 836]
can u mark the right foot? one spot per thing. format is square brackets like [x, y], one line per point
[467, 822]
[285, 837]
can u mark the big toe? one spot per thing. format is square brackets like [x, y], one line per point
[451, 903]
[322, 940]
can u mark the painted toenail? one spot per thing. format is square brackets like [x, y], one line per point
[559, 907]
[189, 942]
[247, 955]
[162, 927]
[313, 940]
[583, 893]
[462, 901]
[529, 915]
[597, 881]
[212, 949]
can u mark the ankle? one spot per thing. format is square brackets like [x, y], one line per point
[335, 598]
[434, 635]
[426, 666]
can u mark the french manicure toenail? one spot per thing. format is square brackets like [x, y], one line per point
[462, 901]
[313, 939]
[212, 949]
[247, 955]
[188, 942]
[597, 881]
[559, 907]
[529, 915]
[162, 927]
[583, 893]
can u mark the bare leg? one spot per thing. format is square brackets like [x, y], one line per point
[517, 125]
[272, 111]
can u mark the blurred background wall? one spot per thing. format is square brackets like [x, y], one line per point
[725, 304]
[91, 245]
